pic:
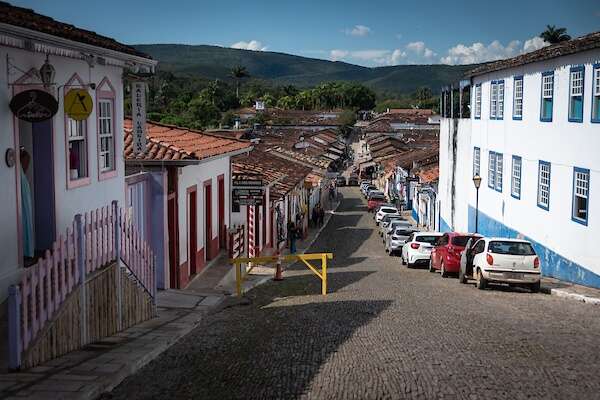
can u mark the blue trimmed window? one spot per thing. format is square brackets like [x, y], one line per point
[576, 79]
[518, 98]
[477, 96]
[547, 96]
[596, 93]
[499, 171]
[492, 170]
[496, 99]
[515, 180]
[581, 195]
[476, 161]
[543, 197]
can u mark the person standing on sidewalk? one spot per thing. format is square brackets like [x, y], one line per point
[321, 215]
[292, 234]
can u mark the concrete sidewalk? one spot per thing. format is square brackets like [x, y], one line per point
[571, 291]
[98, 368]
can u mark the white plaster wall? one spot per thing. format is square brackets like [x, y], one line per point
[562, 143]
[9, 263]
[196, 175]
[68, 202]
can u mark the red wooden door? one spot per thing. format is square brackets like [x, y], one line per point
[222, 235]
[173, 241]
[192, 230]
[208, 221]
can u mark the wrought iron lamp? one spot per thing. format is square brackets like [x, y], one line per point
[47, 73]
[477, 183]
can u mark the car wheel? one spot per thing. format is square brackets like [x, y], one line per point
[481, 281]
[403, 261]
[443, 270]
[535, 287]
[391, 253]
[431, 269]
[461, 276]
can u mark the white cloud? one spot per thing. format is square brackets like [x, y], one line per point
[251, 45]
[478, 52]
[420, 50]
[336, 54]
[535, 43]
[358, 30]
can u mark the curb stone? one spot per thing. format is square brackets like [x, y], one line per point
[571, 296]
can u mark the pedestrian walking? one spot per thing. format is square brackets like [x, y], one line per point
[292, 235]
[321, 215]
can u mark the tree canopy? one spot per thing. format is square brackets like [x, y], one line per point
[553, 35]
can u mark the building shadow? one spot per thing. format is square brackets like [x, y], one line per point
[267, 351]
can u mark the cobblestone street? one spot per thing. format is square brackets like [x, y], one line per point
[383, 332]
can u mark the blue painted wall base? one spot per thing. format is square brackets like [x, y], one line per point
[552, 263]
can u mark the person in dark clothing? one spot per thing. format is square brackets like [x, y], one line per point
[321, 215]
[292, 235]
[315, 216]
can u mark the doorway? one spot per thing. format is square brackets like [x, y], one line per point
[173, 240]
[192, 229]
[222, 235]
[36, 180]
[208, 220]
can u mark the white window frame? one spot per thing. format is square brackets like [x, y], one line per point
[581, 189]
[516, 172]
[547, 93]
[544, 179]
[518, 98]
[492, 170]
[106, 127]
[493, 100]
[476, 161]
[596, 92]
[499, 171]
[77, 132]
[576, 90]
[478, 101]
[500, 100]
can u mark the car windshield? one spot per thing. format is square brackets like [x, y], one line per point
[403, 232]
[376, 197]
[461, 240]
[388, 210]
[391, 217]
[512, 248]
[427, 239]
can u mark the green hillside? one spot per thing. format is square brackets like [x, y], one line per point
[216, 62]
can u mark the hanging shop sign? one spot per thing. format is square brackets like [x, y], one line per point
[138, 112]
[78, 104]
[34, 105]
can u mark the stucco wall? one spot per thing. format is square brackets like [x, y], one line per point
[67, 202]
[566, 246]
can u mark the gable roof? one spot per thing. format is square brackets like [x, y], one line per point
[169, 142]
[29, 19]
[588, 42]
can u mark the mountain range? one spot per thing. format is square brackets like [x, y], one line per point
[214, 62]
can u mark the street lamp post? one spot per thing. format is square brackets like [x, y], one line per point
[477, 183]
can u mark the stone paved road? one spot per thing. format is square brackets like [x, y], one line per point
[384, 332]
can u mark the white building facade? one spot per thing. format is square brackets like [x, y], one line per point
[69, 171]
[534, 138]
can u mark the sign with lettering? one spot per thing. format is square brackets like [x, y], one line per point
[245, 183]
[34, 105]
[78, 104]
[138, 112]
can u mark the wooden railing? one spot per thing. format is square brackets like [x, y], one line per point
[90, 244]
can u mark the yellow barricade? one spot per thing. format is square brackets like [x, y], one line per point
[240, 275]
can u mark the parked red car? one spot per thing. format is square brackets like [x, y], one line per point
[445, 256]
[374, 201]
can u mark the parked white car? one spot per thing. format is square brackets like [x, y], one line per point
[501, 260]
[383, 211]
[417, 249]
[395, 240]
[393, 223]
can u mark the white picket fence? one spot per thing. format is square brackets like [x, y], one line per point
[92, 242]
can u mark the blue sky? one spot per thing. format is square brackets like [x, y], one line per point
[370, 33]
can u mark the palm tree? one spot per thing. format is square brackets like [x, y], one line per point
[553, 35]
[238, 73]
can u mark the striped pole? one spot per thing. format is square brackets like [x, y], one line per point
[251, 250]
